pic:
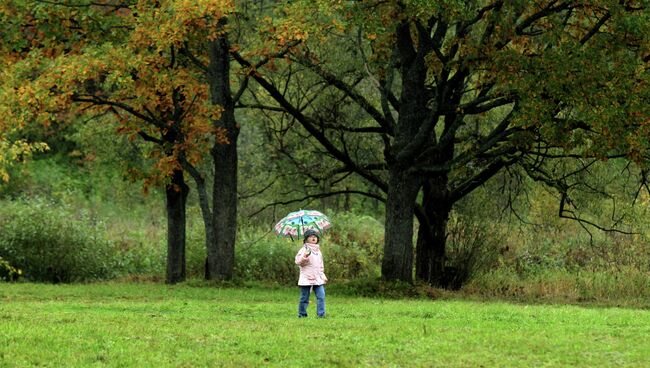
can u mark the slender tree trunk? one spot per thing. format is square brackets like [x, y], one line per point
[397, 263]
[206, 211]
[176, 197]
[221, 254]
[210, 242]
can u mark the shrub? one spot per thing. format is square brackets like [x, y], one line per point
[8, 272]
[626, 286]
[51, 243]
[351, 249]
[195, 251]
[472, 247]
[263, 256]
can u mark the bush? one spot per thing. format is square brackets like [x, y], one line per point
[262, 256]
[51, 243]
[351, 249]
[8, 272]
[472, 248]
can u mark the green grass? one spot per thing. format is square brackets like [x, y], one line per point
[195, 325]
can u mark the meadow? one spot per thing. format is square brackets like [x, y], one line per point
[196, 324]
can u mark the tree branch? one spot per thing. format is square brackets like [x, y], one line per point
[99, 101]
[310, 126]
[350, 92]
[548, 10]
[198, 63]
[596, 28]
[318, 196]
[477, 180]
[259, 64]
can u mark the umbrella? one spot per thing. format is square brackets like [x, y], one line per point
[296, 223]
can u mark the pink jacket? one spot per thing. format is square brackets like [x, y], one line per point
[311, 268]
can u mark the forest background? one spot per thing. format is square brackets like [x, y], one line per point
[106, 114]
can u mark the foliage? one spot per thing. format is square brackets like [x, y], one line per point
[109, 59]
[260, 255]
[52, 243]
[353, 246]
[136, 325]
[12, 152]
[9, 272]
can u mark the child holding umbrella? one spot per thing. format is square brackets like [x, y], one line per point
[312, 276]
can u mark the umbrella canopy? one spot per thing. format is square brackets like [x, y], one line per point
[296, 223]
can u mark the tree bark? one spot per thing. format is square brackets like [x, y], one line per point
[225, 212]
[221, 254]
[397, 263]
[404, 184]
[176, 197]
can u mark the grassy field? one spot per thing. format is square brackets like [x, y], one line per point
[152, 325]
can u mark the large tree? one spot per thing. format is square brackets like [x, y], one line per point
[457, 91]
[126, 59]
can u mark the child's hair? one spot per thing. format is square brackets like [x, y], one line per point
[311, 232]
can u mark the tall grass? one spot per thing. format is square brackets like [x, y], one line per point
[615, 287]
[49, 243]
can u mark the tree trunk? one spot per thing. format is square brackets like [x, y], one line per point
[432, 235]
[176, 197]
[206, 211]
[411, 132]
[221, 265]
[221, 254]
[397, 263]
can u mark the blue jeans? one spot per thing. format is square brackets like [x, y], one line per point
[319, 290]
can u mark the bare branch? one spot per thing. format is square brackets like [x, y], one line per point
[260, 107]
[311, 126]
[350, 92]
[318, 196]
[571, 215]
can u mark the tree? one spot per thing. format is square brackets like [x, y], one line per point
[13, 148]
[163, 69]
[109, 59]
[458, 91]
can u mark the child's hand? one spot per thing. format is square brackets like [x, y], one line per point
[306, 255]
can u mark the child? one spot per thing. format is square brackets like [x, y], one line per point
[310, 260]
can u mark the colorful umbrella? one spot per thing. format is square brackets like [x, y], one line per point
[296, 223]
